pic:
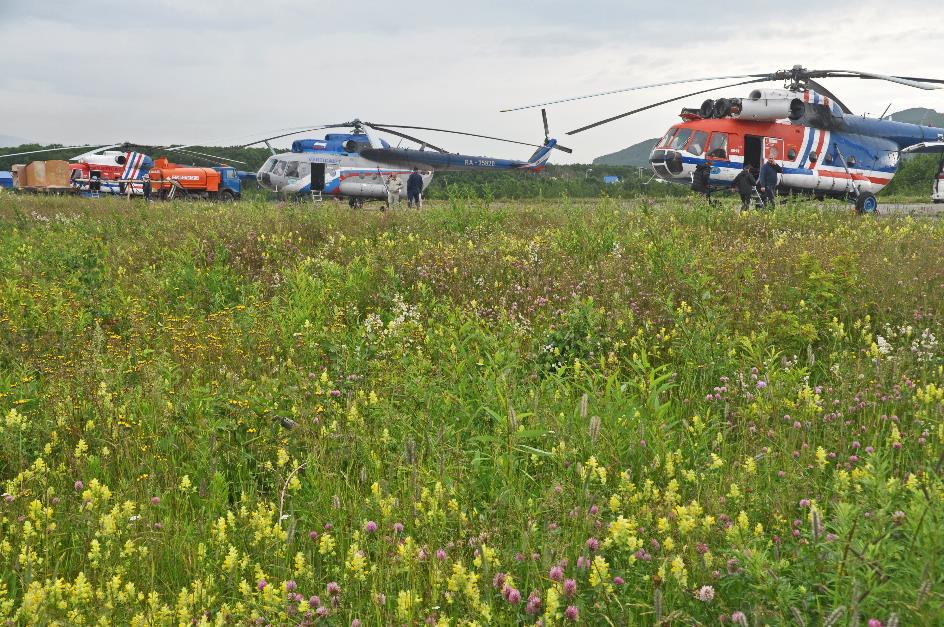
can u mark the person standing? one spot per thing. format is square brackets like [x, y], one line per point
[394, 187]
[414, 189]
[701, 179]
[745, 183]
[146, 188]
[768, 181]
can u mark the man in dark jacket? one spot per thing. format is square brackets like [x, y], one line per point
[414, 189]
[768, 181]
[744, 183]
[701, 180]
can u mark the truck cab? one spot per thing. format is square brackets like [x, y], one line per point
[229, 180]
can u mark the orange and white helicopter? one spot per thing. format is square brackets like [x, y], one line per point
[823, 148]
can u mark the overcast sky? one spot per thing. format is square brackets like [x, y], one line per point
[192, 71]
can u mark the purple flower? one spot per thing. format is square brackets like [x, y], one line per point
[356, 623]
[705, 594]
[761, 384]
[441, 555]
[290, 586]
[498, 580]
[618, 581]
[333, 588]
[874, 622]
[313, 535]
[370, 526]
[79, 486]
[557, 573]
[262, 584]
[534, 603]
[739, 618]
[804, 503]
[398, 527]
[155, 500]
[513, 596]
[335, 393]
[582, 563]
[572, 613]
[593, 544]
[570, 587]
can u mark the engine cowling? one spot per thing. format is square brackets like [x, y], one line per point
[766, 105]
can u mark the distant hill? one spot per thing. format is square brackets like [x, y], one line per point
[636, 155]
[919, 115]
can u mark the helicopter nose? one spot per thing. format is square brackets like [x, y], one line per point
[667, 164]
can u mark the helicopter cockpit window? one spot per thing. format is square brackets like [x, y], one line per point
[291, 169]
[664, 143]
[304, 169]
[268, 165]
[279, 168]
[681, 139]
[697, 145]
[719, 146]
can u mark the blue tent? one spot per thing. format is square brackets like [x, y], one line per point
[6, 179]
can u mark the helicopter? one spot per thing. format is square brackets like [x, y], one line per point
[355, 165]
[106, 170]
[824, 149]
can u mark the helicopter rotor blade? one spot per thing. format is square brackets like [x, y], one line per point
[444, 130]
[33, 152]
[662, 102]
[203, 154]
[547, 130]
[884, 77]
[386, 129]
[295, 132]
[636, 88]
[818, 87]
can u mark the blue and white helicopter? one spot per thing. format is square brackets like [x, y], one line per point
[357, 165]
[821, 146]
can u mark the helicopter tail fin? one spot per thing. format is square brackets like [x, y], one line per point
[539, 159]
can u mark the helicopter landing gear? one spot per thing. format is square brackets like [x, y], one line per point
[355, 203]
[866, 203]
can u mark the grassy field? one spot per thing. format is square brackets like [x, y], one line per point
[568, 412]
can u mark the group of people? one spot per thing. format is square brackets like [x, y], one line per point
[414, 190]
[747, 183]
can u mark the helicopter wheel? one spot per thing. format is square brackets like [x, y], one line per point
[866, 203]
[356, 203]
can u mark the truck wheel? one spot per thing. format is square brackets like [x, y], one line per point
[226, 196]
[866, 203]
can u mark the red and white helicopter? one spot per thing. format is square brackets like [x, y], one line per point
[105, 170]
[823, 148]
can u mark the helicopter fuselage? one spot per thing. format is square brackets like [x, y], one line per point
[821, 150]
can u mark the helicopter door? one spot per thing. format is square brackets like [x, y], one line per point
[773, 149]
[752, 150]
[317, 177]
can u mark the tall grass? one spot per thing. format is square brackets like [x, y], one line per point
[596, 412]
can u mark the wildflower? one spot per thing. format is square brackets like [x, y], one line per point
[738, 618]
[356, 623]
[370, 526]
[761, 384]
[398, 527]
[898, 518]
[290, 585]
[79, 486]
[572, 613]
[155, 500]
[513, 596]
[570, 587]
[874, 622]
[593, 544]
[333, 588]
[262, 583]
[534, 603]
[556, 574]
[618, 581]
[441, 555]
[804, 503]
[705, 594]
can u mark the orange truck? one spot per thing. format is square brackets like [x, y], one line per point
[176, 181]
